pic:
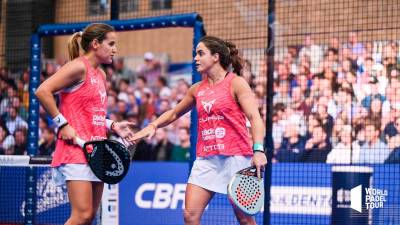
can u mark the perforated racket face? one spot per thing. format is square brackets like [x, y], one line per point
[109, 161]
[247, 193]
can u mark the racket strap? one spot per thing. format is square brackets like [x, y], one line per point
[86, 153]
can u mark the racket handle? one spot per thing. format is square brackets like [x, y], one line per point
[80, 142]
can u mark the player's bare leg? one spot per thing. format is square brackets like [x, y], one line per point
[196, 200]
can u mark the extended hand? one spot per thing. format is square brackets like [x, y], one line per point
[148, 132]
[123, 129]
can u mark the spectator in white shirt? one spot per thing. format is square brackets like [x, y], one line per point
[373, 150]
[313, 51]
[344, 152]
[14, 121]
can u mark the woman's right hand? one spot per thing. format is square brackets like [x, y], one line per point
[67, 133]
[148, 132]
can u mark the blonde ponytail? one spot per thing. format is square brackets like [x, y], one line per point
[73, 45]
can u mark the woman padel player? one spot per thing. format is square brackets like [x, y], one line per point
[223, 101]
[82, 113]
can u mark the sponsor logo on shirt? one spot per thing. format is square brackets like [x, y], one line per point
[93, 80]
[103, 95]
[96, 138]
[98, 120]
[211, 118]
[96, 109]
[208, 105]
[220, 132]
[209, 134]
[215, 147]
[201, 93]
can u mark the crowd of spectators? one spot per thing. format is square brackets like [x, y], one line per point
[138, 95]
[336, 102]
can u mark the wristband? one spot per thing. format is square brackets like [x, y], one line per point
[257, 147]
[109, 124]
[60, 120]
[61, 127]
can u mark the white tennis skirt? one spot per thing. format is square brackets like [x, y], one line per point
[66, 172]
[214, 173]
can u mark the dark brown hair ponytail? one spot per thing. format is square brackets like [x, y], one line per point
[236, 60]
[228, 53]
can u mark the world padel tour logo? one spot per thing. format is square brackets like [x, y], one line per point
[374, 198]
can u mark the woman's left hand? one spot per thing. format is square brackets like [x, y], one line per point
[123, 129]
[259, 160]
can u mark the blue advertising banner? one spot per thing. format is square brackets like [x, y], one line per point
[153, 193]
[347, 194]
[51, 202]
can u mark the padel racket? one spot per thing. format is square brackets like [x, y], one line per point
[109, 160]
[246, 191]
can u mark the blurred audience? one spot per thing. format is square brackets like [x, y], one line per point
[20, 142]
[374, 150]
[161, 146]
[48, 142]
[317, 147]
[334, 102]
[181, 151]
[150, 69]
